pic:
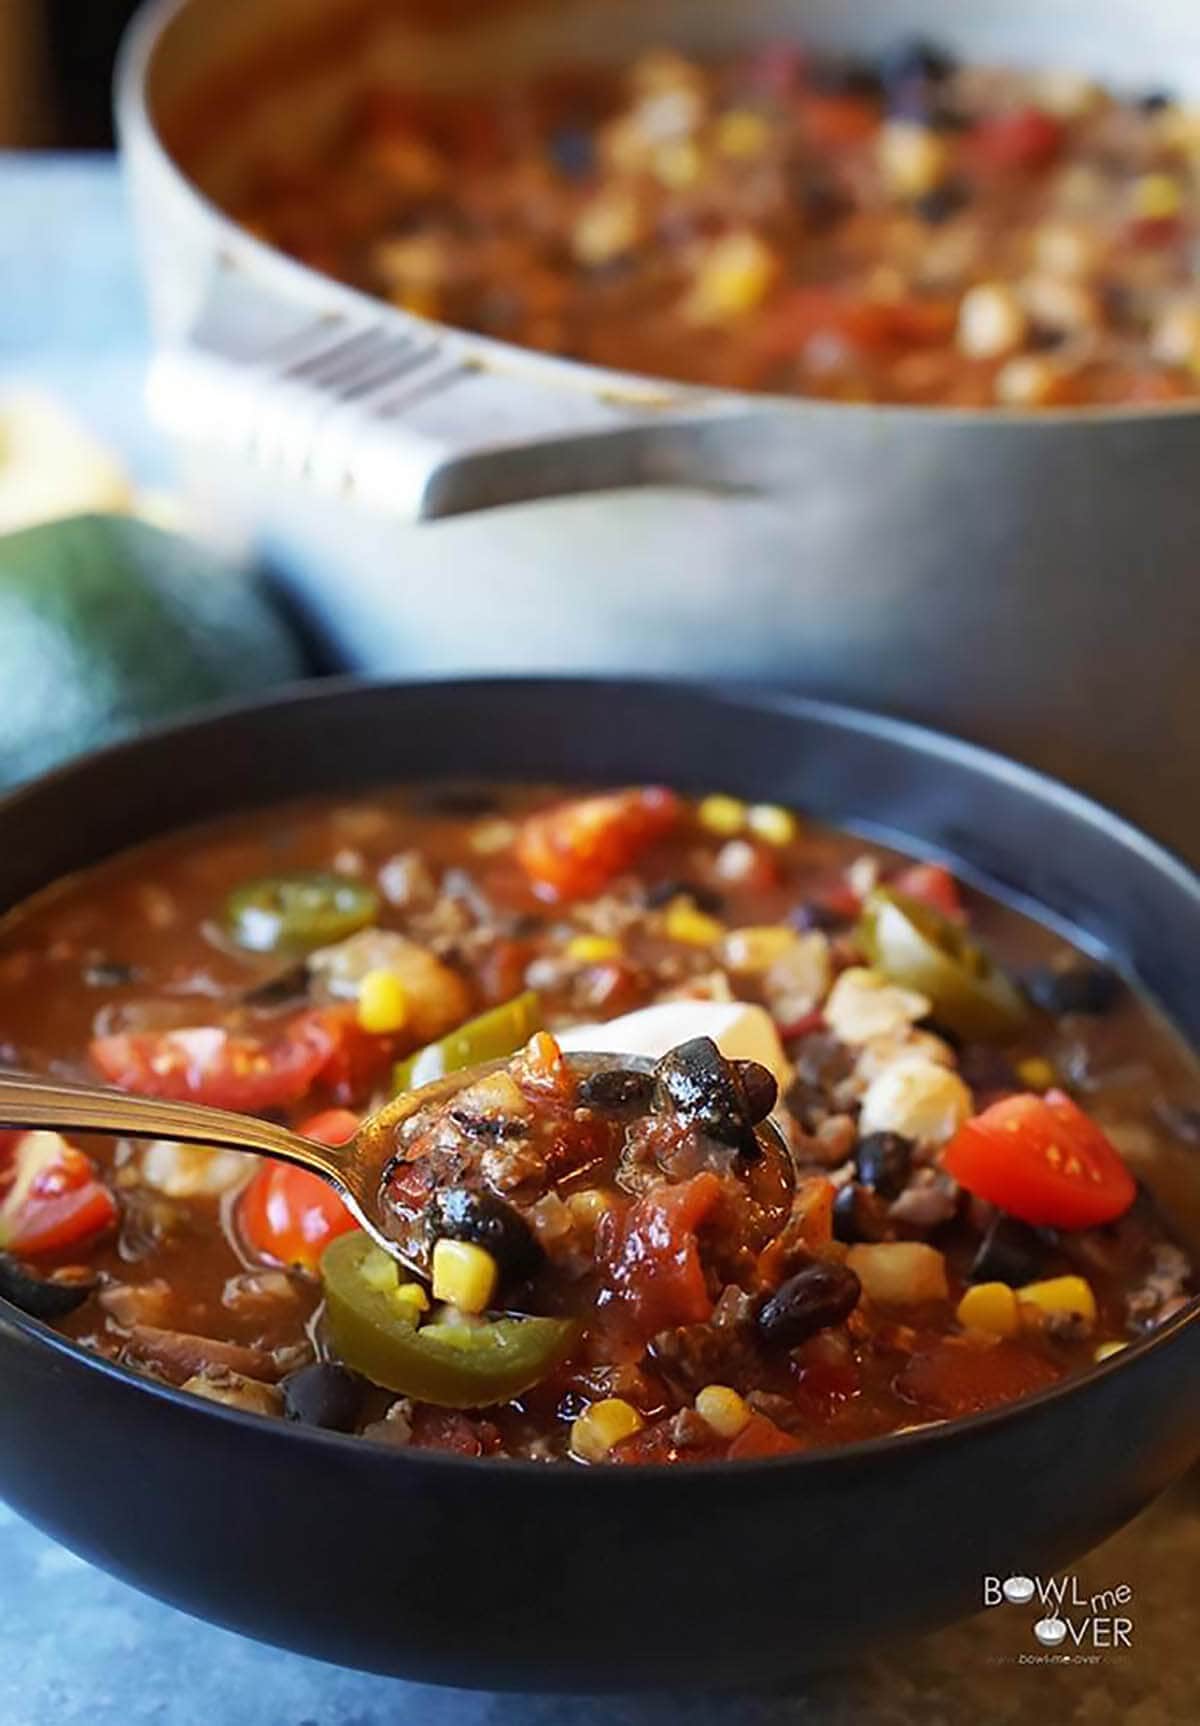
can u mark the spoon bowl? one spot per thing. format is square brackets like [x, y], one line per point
[357, 1169]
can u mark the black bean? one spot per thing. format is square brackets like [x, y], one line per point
[915, 57]
[760, 1088]
[942, 202]
[703, 898]
[697, 1083]
[41, 1296]
[858, 1214]
[844, 77]
[818, 1296]
[488, 1126]
[883, 1161]
[1080, 988]
[617, 1090]
[466, 1214]
[815, 914]
[1154, 101]
[324, 1394]
[1010, 1252]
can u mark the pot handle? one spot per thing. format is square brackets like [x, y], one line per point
[404, 417]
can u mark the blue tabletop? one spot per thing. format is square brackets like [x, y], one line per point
[79, 1649]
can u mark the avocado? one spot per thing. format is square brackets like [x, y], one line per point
[108, 624]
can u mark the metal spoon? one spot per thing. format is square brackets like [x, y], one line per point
[357, 1170]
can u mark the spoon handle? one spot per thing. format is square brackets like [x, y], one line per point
[65, 1106]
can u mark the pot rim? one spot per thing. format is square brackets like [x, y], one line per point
[933, 744]
[137, 130]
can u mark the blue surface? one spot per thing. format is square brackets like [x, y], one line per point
[72, 317]
[79, 1649]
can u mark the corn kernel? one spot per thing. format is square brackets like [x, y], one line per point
[1037, 1073]
[1106, 1350]
[607, 228]
[592, 949]
[735, 276]
[757, 947]
[723, 1409]
[990, 1307]
[912, 158]
[410, 1301]
[723, 815]
[601, 1426]
[684, 922]
[1070, 1295]
[768, 821]
[465, 1275]
[588, 1205]
[678, 164]
[741, 134]
[382, 1003]
[1156, 198]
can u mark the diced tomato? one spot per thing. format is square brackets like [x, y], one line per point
[53, 1196]
[1023, 138]
[953, 1376]
[867, 326]
[575, 849]
[229, 1070]
[655, 1443]
[831, 121]
[357, 1060]
[1043, 1160]
[933, 885]
[651, 1255]
[761, 1437]
[330, 1127]
[290, 1216]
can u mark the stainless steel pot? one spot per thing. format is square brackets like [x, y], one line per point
[1028, 581]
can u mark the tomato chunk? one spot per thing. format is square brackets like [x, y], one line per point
[575, 849]
[1023, 138]
[932, 885]
[54, 1198]
[761, 1437]
[207, 1064]
[651, 1255]
[1043, 1160]
[288, 1215]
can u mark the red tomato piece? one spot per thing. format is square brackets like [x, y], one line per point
[1041, 1159]
[330, 1127]
[932, 885]
[1023, 138]
[655, 1444]
[831, 121]
[651, 1254]
[54, 1199]
[761, 1437]
[289, 1216]
[575, 849]
[229, 1070]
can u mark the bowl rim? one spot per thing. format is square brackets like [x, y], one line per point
[136, 127]
[935, 744]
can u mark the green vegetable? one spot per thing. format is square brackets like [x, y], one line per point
[501, 1031]
[373, 1330]
[293, 913]
[921, 949]
[108, 624]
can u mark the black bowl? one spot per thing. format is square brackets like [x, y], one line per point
[508, 1574]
